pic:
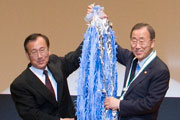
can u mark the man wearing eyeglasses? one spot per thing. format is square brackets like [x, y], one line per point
[41, 92]
[146, 77]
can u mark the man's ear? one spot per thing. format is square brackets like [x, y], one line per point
[153, 43]
[27, 55]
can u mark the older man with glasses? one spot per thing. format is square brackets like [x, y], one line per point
[40, 92]
[146, 77]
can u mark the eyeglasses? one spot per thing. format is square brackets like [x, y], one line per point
[141, 41]
[41, 51]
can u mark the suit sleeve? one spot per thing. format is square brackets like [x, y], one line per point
[123, 55]
[150, 102]
[71, 61]
[26, 105]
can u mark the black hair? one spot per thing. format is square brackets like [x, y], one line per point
[33, 37]
[149, 28]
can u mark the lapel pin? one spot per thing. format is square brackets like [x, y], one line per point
[145, 72]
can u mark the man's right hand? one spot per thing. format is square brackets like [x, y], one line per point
[111, 103]
[89, 10]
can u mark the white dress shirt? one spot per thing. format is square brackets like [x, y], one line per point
[41, 76]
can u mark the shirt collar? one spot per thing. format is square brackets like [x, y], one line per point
[36, 70]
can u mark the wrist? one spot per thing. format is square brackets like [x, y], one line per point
[118, 104]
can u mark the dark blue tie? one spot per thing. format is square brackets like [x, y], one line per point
[137, 68]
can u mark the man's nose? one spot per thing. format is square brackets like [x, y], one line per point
[39, 54]
[138, 44]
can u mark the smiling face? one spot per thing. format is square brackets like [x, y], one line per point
[38, 52]
[141, 43]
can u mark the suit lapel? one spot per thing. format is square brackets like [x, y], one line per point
[139, 79]
[126, 73]
[34, 81]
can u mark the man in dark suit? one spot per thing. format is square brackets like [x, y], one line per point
[40, 95]
[146, 77]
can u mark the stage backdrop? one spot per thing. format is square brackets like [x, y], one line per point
[63, 22]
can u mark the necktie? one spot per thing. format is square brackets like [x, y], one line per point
[137, 68]
[48, 82]
[133, 71]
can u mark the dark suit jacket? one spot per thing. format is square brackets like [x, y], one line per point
[32, 98]
[144, 96]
